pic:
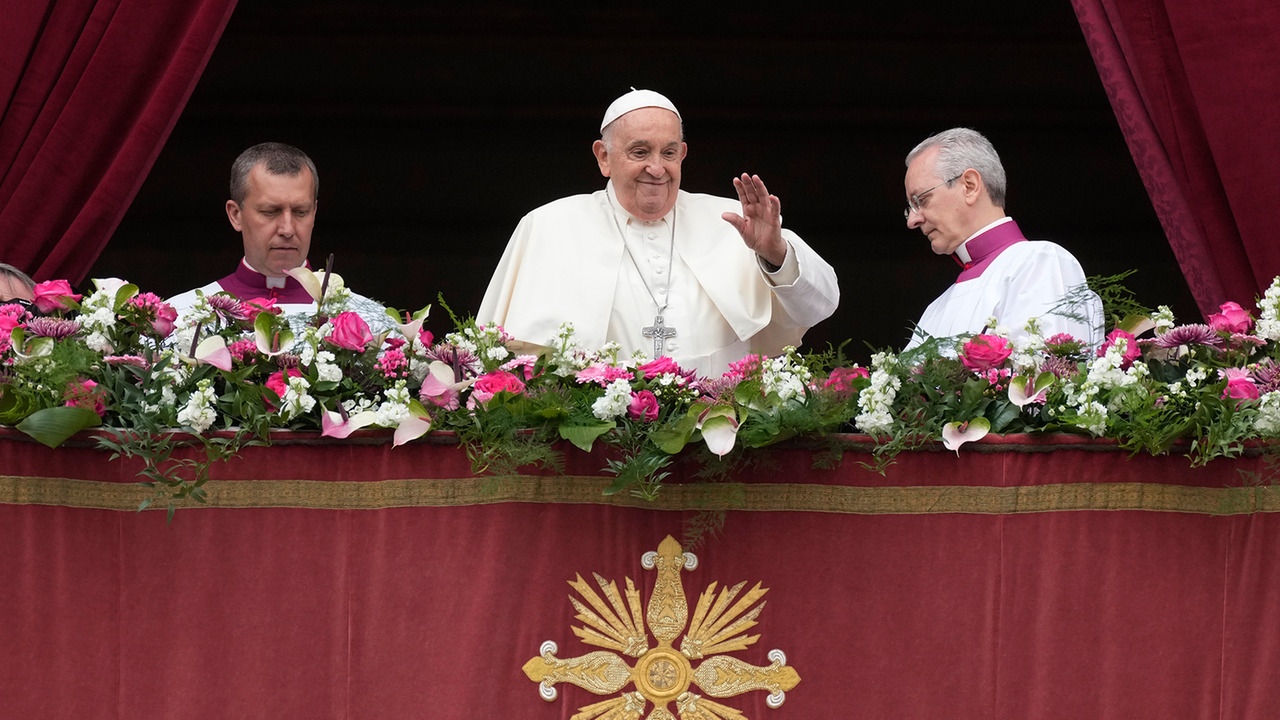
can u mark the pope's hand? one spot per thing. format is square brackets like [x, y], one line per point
[760, 223]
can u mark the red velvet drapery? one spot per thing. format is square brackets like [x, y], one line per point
[350, 580]
[1196, 89]
[89, 91]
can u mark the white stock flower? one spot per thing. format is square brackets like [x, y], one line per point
[1268, 420]
[614, 402]
[1269, 323]
[877, 400]
[326, 369]
[198, 413]
[296, 400]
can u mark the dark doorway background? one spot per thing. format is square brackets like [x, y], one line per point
[436, 128]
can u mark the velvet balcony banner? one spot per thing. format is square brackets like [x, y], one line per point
[1027, 577]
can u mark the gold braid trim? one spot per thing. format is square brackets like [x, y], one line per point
[576, 489]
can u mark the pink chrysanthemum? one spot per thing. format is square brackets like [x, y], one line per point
[457, 358]
[55, 328]
[1061, 367]
[1266, 375]
[135, 360]
[227, 306]
[1196, 334]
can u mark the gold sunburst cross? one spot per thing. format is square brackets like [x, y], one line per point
[661, 674]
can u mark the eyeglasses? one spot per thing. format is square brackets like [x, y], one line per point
[914, 202]
[23, 303]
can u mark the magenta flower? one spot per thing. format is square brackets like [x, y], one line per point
[1131, 349]
[350, 332]
[602, 374]
[1195, 334]
[643, 406]
[85, 394]
[135, 360]
[524, 363]
[660, 366]
[55, 328]
[1231, 318]
[156, 311]
[841, 380]
[984, 352]
[54, 295]
[393, 364]
[227, 306]
[1062, 344]
[250, 309]
[277, 384]
[490, 384]
[1239, 385]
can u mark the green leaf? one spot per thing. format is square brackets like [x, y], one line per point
[1005, 413]
[52, 426]
[672, 437]
[584, 436]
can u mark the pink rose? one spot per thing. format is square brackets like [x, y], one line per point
[276, 383]
[841, 380]
[351, 332]
[661, 366]
[1232, 318]
[984, 352]
[490, 384]
[164, 320]
[85, 394]
[1131, 350]
[643, 406]
[54, 295]
[1239, 385]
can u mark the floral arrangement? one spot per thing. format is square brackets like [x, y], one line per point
[230, 371]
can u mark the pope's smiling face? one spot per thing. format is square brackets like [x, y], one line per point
[642, 157]
[275, 219]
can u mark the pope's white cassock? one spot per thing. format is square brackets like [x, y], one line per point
[584, 260]
[1012, 279]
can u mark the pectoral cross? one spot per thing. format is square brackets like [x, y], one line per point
[659, 332]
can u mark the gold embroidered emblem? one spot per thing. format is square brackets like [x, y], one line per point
[661, 674]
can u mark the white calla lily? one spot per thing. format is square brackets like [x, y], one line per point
[955, 434]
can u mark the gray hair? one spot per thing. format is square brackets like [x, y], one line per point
[278, 159]
[13, 272]
[960, 149]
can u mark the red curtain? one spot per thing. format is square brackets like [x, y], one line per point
[1196, 89]
[89, 91]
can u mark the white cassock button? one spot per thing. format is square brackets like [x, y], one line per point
[673, 346]
[658, 271]
[662, 291]
[653, 235]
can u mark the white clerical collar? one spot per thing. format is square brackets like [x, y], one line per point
[627, 217]
[272, 282]
[962, 252]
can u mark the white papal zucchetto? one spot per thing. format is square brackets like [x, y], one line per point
[635, 100]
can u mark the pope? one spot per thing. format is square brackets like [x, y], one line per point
[660, 271]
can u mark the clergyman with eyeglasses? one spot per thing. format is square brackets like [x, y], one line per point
[16, 287]
[955, 188]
